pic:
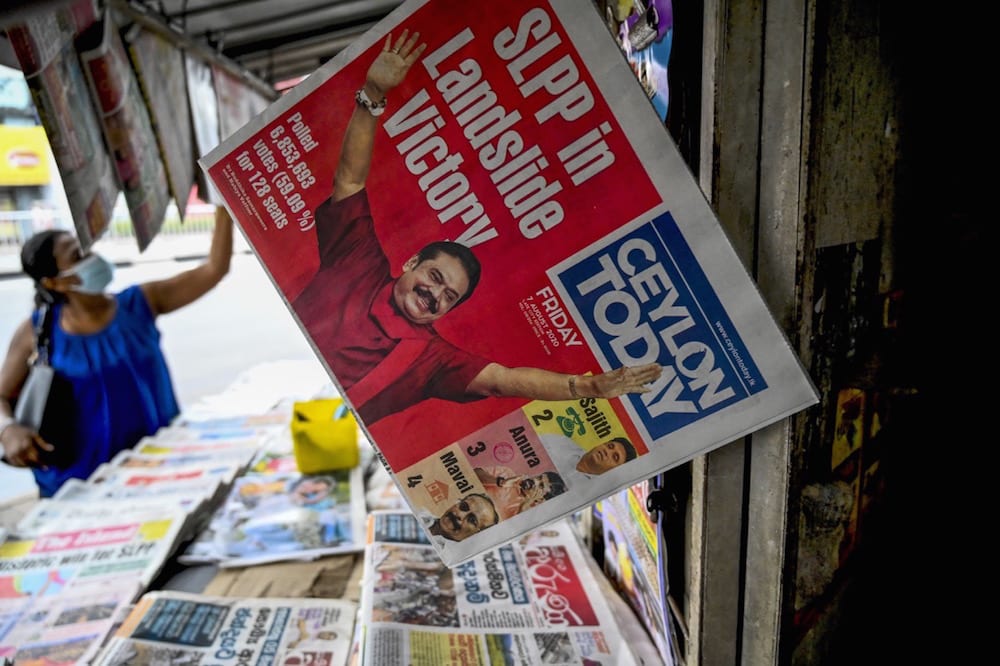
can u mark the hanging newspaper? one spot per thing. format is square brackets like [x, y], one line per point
[204, 117]
[610, 330]
[45, 50]
[127, 127]
[159, 67]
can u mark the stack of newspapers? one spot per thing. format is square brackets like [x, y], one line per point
[68, 569]
[535, 600]
[77, 560]
[193, 469]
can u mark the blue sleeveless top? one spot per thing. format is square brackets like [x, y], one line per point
[122, 388]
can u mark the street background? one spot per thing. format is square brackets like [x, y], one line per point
[239, 324]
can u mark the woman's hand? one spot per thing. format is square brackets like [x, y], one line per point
[392, 64]
[23, 447]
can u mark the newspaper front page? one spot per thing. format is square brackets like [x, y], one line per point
[181, 628]
[532, 601]
[127, 127]
[587, 322]
[61, 588]
[284, 515]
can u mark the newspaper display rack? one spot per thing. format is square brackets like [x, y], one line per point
[518, 131]
[74, 564]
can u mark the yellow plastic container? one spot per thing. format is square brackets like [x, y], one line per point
[324, 436]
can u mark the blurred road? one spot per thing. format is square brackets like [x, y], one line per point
[239, 324]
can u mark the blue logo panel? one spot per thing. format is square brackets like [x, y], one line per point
[644, 298]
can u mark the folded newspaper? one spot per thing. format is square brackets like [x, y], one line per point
[533, 601]
[182, 628]
[286, 515]
[482, 226]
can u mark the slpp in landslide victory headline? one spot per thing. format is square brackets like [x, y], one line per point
[519, 172]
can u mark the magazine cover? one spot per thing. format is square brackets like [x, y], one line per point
[493, 245]
[645, 31]
[532, 601]
[182, 628]
[635, 561]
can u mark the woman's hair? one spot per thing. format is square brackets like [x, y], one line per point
[38, 260]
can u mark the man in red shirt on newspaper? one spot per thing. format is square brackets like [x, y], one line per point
[377, 332]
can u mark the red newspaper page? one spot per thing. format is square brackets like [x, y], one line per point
[586, 321]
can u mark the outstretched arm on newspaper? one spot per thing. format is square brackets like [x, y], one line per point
[536, 384]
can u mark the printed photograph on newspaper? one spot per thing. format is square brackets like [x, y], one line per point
[492, 243]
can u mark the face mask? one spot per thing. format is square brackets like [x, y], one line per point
[95, 274]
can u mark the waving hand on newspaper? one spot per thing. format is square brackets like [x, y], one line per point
[539, 384]
[385, 73]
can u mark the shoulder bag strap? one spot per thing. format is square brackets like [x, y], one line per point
[43, 333]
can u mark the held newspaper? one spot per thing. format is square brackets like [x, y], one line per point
[603, 328]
